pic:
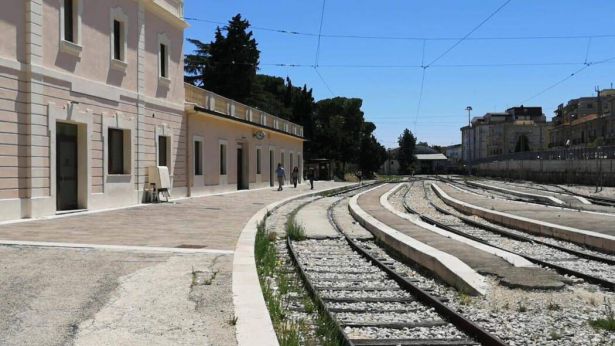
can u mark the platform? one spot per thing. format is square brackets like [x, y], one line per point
[480, 261]
[586, 228]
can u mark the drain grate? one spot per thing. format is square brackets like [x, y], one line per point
[191, 246]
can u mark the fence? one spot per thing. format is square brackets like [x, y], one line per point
[606, 152]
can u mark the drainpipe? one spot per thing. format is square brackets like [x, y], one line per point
[189, 168]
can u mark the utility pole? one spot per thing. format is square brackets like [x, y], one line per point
[470, 151]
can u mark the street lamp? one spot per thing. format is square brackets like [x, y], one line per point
[469, 109]
[470, 151]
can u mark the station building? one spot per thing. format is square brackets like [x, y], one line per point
[92, 96]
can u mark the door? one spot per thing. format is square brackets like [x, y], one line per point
[66, 167]
[239, 168]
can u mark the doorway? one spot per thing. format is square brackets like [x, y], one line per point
[240, 185]
[67, 182]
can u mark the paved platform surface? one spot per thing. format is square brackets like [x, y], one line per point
[482, 262]
[84, 296]
[315, 221]
[581, 220]
[211, 222]
[569, 200]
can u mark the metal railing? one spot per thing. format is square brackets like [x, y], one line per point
[220, 104]
[603, 152]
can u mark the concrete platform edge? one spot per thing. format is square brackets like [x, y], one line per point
[593, 239]
[543, 198]
[254, 326]
[515, 260]
[449, 268]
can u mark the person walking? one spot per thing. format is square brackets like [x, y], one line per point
[281, 174]
[310, 176]
[295, 176]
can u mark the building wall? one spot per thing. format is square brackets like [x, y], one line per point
[485, 140]
[43, 84]
[213, 130]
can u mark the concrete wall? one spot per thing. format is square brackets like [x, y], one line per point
[554, 171]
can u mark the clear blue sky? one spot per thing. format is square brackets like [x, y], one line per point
[380, 70]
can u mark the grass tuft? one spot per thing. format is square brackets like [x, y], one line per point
[608, 322]
[294, 230]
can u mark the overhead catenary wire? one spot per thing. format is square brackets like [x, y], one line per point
[322, 19]
[585, 66]
[470, 32]
[412, 38]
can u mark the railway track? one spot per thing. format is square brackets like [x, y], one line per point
[592, 268]
[370, 304]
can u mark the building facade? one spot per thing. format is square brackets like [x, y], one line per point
[247, 144]
[92, 96]
[516, 130]
[584, 121]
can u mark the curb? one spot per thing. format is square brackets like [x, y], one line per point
[254, 326]
[447, 267]
[513, 259]
[542, 198]
[596, 240]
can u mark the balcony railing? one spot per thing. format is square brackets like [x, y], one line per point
[220, 104]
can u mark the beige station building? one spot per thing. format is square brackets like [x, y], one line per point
[92, 99]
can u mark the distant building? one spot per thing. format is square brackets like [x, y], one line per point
[584, 121]
[516, 130]
[428, 160]
[453, 152]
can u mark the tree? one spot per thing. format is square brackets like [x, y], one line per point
[405, 155]
[372, 154]
[227, 65]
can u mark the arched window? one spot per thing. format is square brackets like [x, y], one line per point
[522, 144]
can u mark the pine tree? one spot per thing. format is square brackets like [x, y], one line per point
[228, 64]
[405, 155]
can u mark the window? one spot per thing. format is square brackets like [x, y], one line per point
[69, 21]
[198, 158]
[291, 161]
[258, 161]
[116, 151]
[163, 61]
[222, 159]
[162, 151]
[282, 159]
[117, 40]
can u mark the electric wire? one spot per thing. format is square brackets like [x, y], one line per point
[413, 38]
[470, 32]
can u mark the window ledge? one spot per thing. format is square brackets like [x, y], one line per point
[118, 65]
[119, 175]
[164, 81]
[70, 48]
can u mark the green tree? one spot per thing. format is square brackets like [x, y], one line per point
[372, 154]
[228, 64]
[405, 155]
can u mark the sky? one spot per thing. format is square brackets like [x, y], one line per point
[530, 52]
